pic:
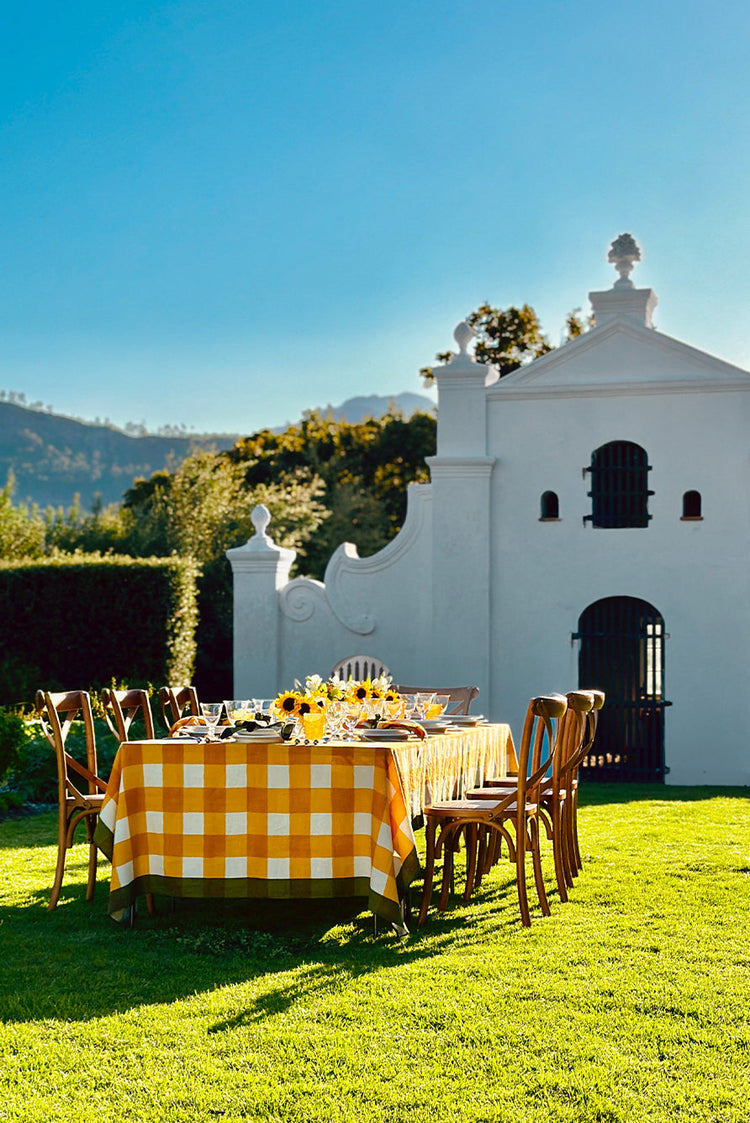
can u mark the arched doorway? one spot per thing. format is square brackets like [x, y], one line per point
[622, 652]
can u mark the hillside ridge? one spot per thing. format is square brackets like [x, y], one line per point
[53, 458]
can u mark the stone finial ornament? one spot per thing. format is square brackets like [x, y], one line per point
[463, 335]
[624, 254]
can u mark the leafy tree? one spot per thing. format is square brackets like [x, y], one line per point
[364, 466]
[22, 529]
[576, 324]
[203, 508]
[506, 338]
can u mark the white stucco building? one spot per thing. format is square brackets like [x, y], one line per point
[585, 524]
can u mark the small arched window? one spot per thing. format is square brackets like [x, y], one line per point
[550, 507]
[691, 505]
[619, 485]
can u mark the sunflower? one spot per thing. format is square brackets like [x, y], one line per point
[359, 691]
[287, 703]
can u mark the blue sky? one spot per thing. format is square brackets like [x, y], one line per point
[221, 213]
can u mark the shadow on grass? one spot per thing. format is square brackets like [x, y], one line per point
[77, 964]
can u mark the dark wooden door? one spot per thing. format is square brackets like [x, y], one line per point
[622, 653]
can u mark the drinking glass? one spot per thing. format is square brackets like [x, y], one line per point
[237, 709]
[263, 706]
[422, 702]
[438, 706]
[351, 717]
[212, 713]
[314, 725]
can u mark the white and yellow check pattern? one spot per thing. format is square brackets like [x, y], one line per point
[251, 820]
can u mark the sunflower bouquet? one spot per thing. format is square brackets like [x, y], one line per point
[371, 700]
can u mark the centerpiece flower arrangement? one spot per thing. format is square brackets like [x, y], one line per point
[317, 695]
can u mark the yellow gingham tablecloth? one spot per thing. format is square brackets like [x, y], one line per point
[449, 765]
[225, 819]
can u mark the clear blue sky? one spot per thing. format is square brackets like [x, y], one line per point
[221, 213]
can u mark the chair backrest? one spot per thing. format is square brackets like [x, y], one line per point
[175, 700]
[461, 697]
[574, 734]
[359, 667]
[57, 712]
[540, 744]
[592, 720]
[122, 707]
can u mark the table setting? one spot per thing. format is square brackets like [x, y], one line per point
[310, 794]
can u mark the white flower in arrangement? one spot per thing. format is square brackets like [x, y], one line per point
[382, 682]
[313, 684]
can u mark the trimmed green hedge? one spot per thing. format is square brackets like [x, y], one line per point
[76, 622]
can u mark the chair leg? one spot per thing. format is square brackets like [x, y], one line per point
[472, 846]
[91, 882]
[59, 871]
[429, 870]
[558, 850]
[62, 850]
[449, 849]
[523, 900]
[536, 856]
[567, 841]
[578, 864]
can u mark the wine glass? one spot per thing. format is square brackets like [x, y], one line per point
[422, 703]
[212, 713]
[237, 709]
[438, 706]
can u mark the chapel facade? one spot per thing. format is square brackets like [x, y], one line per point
[585, 525]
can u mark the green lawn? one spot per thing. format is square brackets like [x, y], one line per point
[631, 1003]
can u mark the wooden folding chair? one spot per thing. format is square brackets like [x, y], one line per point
[175, 700]
[485, 823]
[122, 708]
[461, 697]
[555, 790]
[592, 720]
[57, 712]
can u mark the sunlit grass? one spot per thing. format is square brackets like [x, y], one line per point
[630, 1003]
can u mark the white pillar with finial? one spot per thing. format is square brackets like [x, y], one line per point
[624, 299]
[259, 569]
[460, 475]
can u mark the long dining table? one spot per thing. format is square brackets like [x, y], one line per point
[233, 819]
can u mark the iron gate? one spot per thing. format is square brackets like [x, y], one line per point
[622, 653]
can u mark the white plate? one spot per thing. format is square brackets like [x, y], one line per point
[433, 725]
[264, 736]
[466, 719]
[384, 734]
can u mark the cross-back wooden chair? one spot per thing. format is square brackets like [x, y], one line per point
[555, 789]
[122, 708]
[359, 667]
[461, 697]
[485, 823]
[57, 713]
[592, 721]
[175, 700]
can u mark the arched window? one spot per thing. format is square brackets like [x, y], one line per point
[691, 505]
[619, 485]
[550, 506]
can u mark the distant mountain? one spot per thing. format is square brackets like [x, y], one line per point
[53, 458]
[356, 409]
